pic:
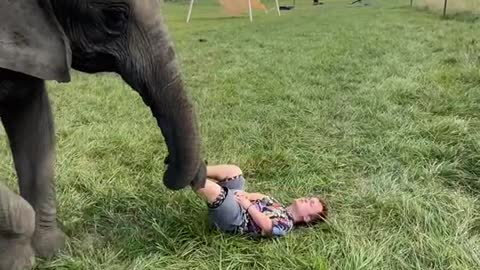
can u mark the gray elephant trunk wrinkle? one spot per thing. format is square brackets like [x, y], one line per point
[144, 56]
[17, 217]
[176, 118]
[161, 88]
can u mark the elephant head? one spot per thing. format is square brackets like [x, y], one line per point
[46, 38]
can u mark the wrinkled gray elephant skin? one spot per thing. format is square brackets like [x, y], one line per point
[43, 40]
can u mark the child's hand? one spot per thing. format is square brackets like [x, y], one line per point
[242, 199]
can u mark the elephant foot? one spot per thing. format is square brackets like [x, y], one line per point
[16, 255]
[48, 242]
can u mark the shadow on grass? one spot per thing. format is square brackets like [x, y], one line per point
[464, 172]
[152, 221]
[140, 225]
[465, 176]
[155, 222]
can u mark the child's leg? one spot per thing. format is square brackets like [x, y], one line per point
[210, 192]
[223, 210]
[223, 172]
[229, 176]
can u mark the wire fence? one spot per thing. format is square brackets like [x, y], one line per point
[449, 6]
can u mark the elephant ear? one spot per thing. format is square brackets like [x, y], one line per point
[32, 41]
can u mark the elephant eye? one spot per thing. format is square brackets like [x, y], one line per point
[115, 20]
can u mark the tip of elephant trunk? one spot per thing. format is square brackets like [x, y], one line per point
[176, 179]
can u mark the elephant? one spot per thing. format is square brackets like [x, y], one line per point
[44, 40]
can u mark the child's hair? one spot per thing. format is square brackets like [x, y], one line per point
[323, 215]
[320, 217]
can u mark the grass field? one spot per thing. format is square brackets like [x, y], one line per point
[376, 108]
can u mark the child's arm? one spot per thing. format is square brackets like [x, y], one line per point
[255, 196]
[260, 219]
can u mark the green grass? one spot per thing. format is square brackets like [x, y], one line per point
[376, 108]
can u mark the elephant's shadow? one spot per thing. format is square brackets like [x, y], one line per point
[152, 221]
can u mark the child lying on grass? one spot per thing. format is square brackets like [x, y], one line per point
[231, 209]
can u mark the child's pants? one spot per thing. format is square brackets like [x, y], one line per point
[229, 215]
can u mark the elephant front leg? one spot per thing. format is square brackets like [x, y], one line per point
[29, 126]
[17, 224]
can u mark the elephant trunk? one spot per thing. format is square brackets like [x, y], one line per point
[17, 218]
[154, 74]
[176, 118]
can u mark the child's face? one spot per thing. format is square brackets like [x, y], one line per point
[307, 208]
